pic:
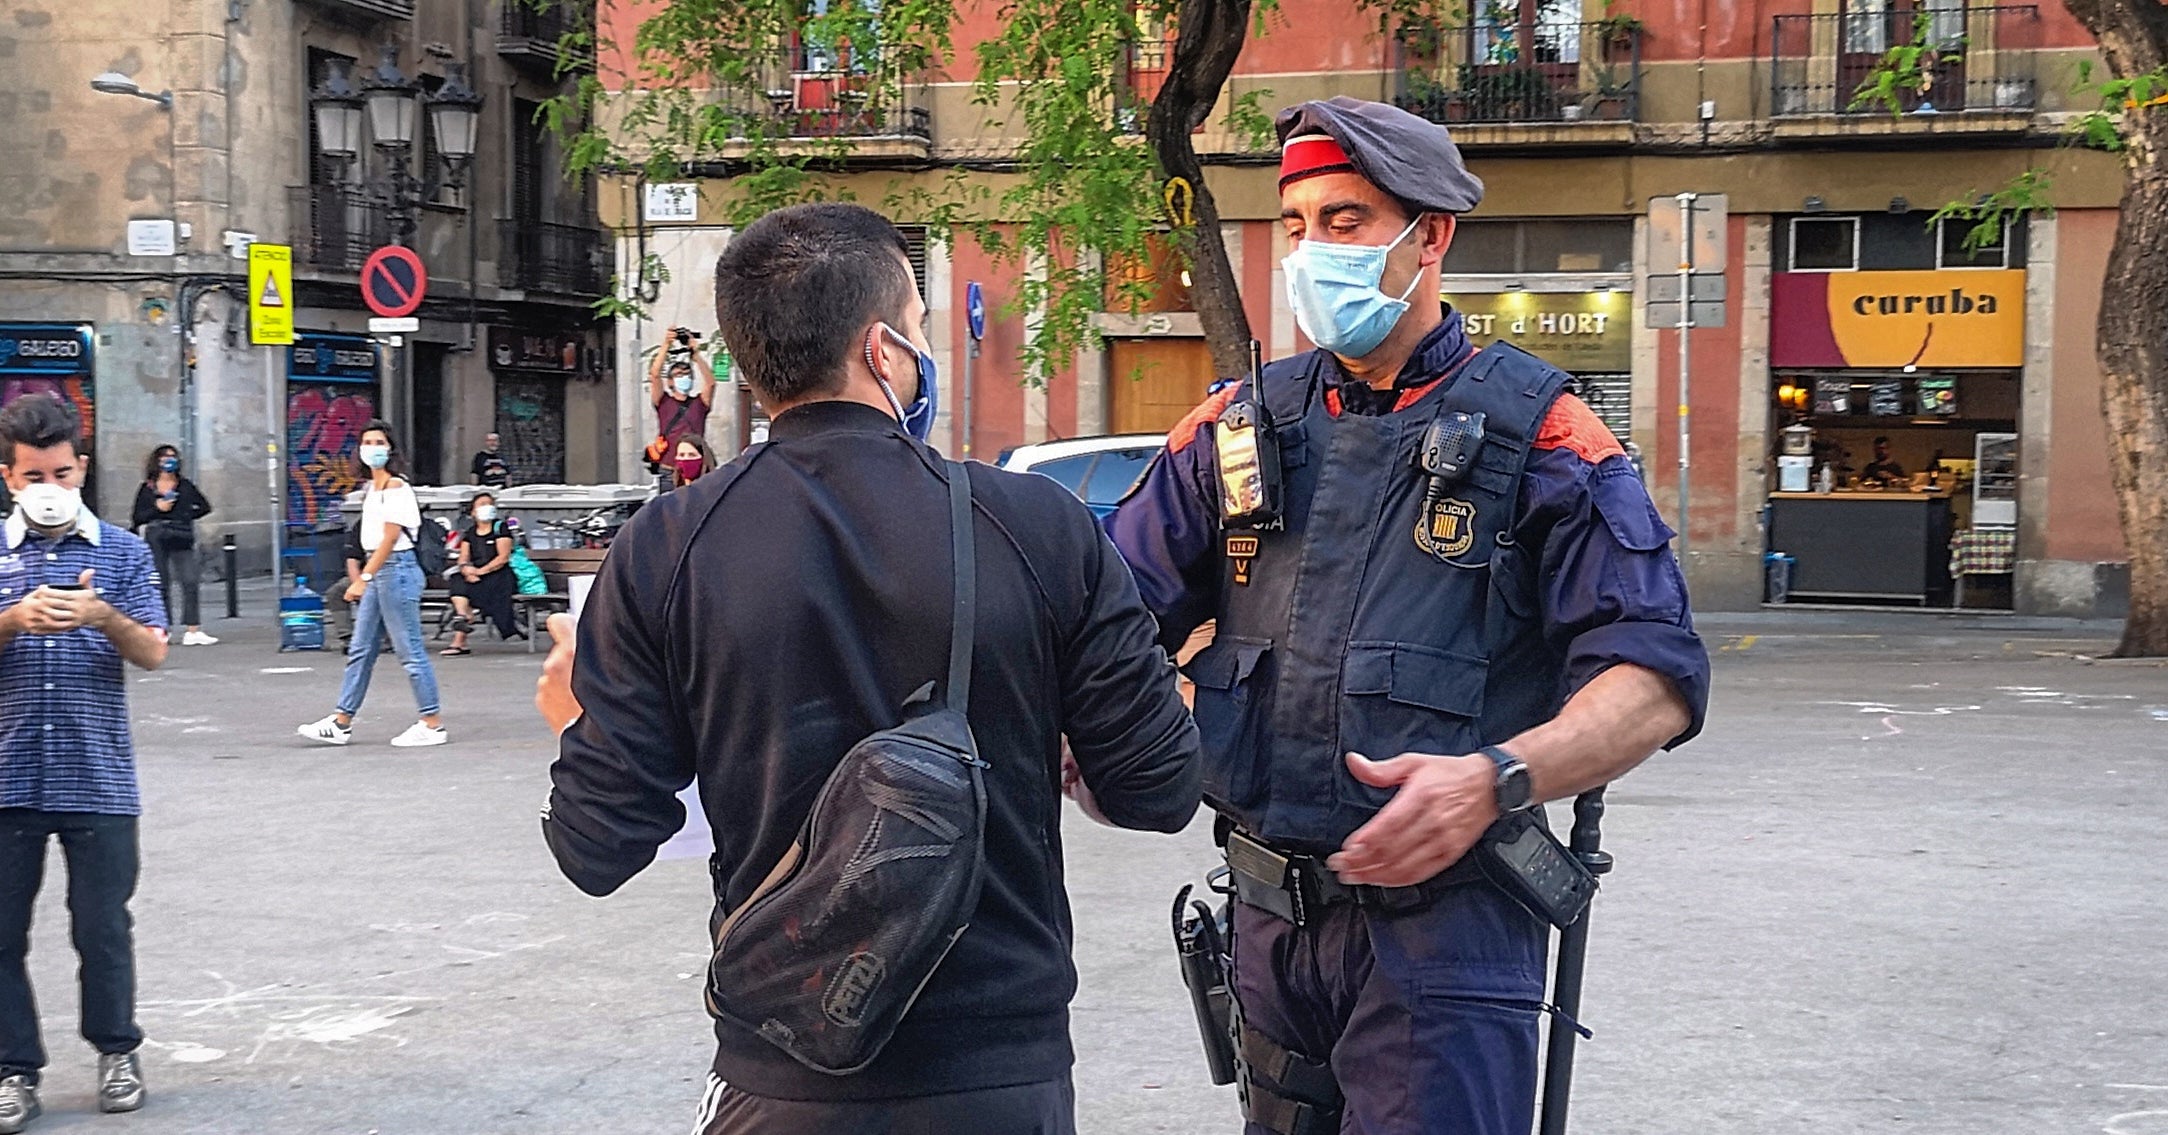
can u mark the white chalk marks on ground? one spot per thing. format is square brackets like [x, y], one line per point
[267, 1021]
[2144, 1121]
[1889, 712]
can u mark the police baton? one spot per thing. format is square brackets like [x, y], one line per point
[1572, 958]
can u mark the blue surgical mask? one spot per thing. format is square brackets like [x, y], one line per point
[376, 456]
[169, 464]
[683, 383]
[917, 418]
[1333, 289]
[486, 512]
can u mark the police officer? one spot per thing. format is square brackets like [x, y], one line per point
[1443, 597]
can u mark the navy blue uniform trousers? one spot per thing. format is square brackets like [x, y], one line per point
[1429, 1018]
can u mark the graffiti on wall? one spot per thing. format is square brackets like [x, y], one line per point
[531, 423]
[324, 421]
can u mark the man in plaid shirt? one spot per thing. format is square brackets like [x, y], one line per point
[78, 597]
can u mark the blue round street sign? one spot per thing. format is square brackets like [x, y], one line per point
[975, 309]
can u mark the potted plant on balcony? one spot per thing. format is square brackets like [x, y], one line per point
[1618, 33]
[1507, 94]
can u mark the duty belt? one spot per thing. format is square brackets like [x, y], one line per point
[1298, 888]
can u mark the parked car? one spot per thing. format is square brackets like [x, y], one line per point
[1099, 470]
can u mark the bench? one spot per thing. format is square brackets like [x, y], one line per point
[557, 565]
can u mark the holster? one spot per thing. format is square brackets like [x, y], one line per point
[1201, 943]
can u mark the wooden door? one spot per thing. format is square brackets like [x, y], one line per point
[1152, 383]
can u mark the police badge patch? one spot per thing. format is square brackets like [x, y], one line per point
[1446, 528]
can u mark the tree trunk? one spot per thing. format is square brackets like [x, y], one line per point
[1209, 38]
[2133, 356]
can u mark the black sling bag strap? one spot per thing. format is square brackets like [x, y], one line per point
[830, 951]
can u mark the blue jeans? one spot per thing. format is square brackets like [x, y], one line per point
[391, 604]
[101, 855]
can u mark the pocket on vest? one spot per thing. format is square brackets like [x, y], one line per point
[1401, 697]
[1230, 710]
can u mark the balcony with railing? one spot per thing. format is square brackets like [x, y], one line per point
[827, 102]
[565, 260]
[1513, 79]
[532, 37]
[1976, 70]
[336, 227]
[368, 10]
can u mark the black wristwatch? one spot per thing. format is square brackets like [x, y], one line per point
[1514, 793]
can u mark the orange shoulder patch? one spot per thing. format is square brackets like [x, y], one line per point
[1185, 431]
[1572, 425]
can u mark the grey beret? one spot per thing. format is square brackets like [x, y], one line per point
[1411, 158]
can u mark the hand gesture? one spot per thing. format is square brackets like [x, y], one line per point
[553, 690]
[50, 610]
[1441, 807]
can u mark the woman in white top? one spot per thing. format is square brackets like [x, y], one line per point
[389, 593]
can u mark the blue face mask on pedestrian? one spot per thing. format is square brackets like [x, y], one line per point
[1333, 290]
[918, 417]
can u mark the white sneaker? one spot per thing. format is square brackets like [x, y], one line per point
[420, 734]
[198, 638]
[329, 731]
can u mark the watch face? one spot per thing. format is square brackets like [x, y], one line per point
[1513, 790]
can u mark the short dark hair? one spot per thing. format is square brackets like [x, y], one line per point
[794, 287]
[39, 421]
[1883, 440]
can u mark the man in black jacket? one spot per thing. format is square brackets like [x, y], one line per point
[796, 614]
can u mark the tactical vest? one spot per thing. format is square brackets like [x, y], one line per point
[1374, 620]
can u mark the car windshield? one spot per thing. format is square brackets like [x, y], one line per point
[1070, 471]
[1117, 471]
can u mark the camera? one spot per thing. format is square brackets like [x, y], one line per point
[685, 337]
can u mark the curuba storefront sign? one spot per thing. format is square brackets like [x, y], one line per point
[1958, 318]
[1578, 332]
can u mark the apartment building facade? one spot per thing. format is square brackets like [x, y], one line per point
[1827, 301]
[125, 222]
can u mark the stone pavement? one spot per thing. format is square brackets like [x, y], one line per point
[1908, 881]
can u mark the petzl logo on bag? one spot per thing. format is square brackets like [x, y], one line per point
[853, 986]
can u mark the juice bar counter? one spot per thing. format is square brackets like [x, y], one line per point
[1865, 545]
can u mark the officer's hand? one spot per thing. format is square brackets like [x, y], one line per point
[553, 690]
[1442, 807]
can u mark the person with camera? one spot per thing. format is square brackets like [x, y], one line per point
[78, 599]
[167, 506]
[681, 386]
[804, 602]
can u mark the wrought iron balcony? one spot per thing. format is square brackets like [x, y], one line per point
[1973, 59]
[566, 260]
[368, 9]
[531, 37]
[807, 105]
[1521, 71]
[336, 227]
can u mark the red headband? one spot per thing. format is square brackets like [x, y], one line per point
[1310, 155]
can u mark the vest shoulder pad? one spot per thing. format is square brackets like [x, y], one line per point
[1571, 425]
[1185, 431]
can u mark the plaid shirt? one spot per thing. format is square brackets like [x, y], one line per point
[64, 740]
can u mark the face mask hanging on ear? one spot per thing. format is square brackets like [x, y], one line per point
[917, 418]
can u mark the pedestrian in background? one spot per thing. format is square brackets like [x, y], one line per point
[692, 461]
[681, 386]
[78, 598]
[167, 506]
[482, 582]
[489, 469]
[389, 591]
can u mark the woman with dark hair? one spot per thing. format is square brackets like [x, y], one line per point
[691, 460]
[483, 582]
[388, 590]
[167, 506]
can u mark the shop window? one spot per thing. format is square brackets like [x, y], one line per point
[1516, 247]
[1825, 244]
[1951, 252]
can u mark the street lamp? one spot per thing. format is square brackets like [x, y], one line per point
[115, 83]
[390, 103]
[455, 115]
[336, 105]
[393, 101]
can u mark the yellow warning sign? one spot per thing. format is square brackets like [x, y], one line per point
[270, 288]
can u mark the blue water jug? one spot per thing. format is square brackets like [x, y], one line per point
[301, 618]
